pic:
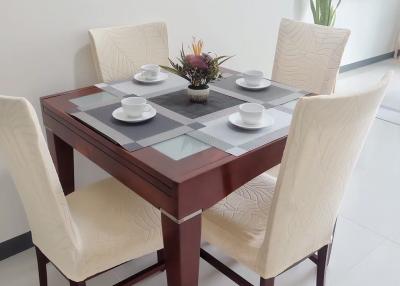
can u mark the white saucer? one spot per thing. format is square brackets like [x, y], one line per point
[266, 121]
[161, 77]
[263, 84]
[120, 115]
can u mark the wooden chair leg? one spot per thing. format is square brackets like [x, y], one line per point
[161, 258]
[160, 255]
[42, 262]
[267, 282]
[73, 283]
[321, 266]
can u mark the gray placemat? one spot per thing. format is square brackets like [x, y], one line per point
[136, 131]
[276, 94]
[133, 136]
[237, 141]
[176, 115]
[180, 103]
[132, 87]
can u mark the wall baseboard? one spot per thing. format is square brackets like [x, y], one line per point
[366, 62]
[15, 245]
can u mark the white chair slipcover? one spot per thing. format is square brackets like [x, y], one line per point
[91, 230]
[270, 224]
[119, 52]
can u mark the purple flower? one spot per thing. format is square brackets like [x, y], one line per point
[199, 62]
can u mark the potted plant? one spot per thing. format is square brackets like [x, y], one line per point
[199, 69]
[324, 11]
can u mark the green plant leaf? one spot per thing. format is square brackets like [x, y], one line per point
[318, 9]
[172, 70]
[324, 11]
[329, 10]
[333, 19]
[224, 60]
[314, 12]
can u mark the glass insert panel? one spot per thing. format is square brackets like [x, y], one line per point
[180, 147]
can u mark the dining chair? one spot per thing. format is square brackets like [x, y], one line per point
[119, 52]
[272, 224]
[308, 56]
[91, 230]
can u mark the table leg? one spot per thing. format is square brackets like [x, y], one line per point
[63, 159]
[182, 249]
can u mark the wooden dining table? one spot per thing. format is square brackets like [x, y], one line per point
[181, 189]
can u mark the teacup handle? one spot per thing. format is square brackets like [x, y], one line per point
[147, 108]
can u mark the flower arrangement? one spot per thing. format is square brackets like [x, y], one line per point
[324, 11]
[198, 68]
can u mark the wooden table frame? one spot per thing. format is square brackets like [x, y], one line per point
[180, 189]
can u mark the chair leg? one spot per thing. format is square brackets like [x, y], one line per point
[73, 283]
[160, 255]
[42, 262]
[328, 259]
[267, 282]
[161, 258]
[321, 266]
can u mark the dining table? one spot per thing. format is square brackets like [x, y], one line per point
[183, 161]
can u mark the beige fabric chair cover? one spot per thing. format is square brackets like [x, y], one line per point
[120, 51]
[90, 231]
[308, 56]
[325, 139]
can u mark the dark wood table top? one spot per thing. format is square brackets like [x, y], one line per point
[211, 169]
[181, 189]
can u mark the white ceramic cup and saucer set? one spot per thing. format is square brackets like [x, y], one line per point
[251, 116]
[253, 80]
[134, 109]
[150, 73]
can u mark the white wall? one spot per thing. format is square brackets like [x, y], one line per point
[44, 48]
[374, 25]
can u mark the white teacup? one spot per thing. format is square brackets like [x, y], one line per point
[251, 113]
[253, 77]
[150, 71]
[135, 106]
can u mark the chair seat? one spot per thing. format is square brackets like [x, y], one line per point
[115, 226]
[274, 171]
[238, 223]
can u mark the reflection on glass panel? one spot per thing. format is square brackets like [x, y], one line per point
[99, 99]
[180, 147]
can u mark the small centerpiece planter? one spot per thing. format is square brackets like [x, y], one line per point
[199, 69]
[198, 93]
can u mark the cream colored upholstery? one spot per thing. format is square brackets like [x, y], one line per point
[120, 51]
[237, 224]
[325, 138]
[308, 56]
[274, 171]
[87, 232]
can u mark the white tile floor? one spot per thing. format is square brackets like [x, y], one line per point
[367, 245]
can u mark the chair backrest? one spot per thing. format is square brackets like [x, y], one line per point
[29, 162]
[324, 142]
[120, 51]
[308, 56]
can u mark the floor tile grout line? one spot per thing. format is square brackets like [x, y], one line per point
[387, 121]
[385, 237]
[367, 255]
